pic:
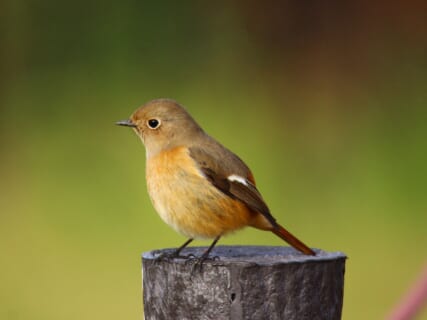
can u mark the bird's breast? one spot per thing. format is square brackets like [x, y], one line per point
[187, 201]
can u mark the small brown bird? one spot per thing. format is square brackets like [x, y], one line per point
[198, 187]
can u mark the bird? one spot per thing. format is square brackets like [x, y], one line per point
[197, 186]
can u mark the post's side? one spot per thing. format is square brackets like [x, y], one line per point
[245, 282]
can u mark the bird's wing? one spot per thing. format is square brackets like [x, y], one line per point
[237, 185]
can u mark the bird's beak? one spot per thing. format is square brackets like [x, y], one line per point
[126, 123]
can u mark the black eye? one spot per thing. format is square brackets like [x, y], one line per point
[153, 123]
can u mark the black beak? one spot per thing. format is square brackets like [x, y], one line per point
[126, 123]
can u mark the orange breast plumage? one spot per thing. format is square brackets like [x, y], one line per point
[187, 201]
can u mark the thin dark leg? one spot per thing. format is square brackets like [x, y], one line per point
[206, 253]
[199, 261]
[175, 253]
[178, 251]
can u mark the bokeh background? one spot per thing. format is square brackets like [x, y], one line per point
[326, 102]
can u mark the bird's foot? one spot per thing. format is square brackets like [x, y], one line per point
[171, 255]
[197, 262]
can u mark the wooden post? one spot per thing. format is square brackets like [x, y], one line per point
[244, 282]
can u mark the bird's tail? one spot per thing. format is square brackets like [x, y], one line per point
[281, 232]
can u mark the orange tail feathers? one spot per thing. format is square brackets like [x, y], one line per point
[292, 240]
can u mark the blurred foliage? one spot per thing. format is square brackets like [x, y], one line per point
[325, 102]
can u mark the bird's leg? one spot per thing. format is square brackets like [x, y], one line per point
[176, 253]
[199, 261]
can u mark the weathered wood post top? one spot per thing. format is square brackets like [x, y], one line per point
[244, 282]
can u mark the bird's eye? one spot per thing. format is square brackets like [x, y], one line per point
[153, 123]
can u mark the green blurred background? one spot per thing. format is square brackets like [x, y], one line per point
[326, 102]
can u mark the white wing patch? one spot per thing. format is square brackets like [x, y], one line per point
[236, 178]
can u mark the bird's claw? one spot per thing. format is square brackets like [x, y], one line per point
[197, 263]
[169, 256]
